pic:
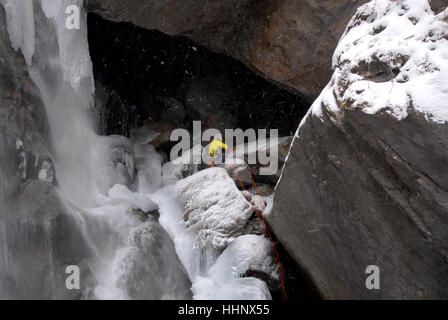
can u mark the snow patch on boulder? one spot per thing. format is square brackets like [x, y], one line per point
[214, 207]
[392, 57]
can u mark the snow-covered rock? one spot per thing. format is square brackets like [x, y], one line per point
[393, 57]
[214, 207]
[365, 182]
[205, 214]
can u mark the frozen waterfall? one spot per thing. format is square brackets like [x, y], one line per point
[125, 250]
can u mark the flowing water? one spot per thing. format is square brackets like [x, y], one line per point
[122, 251]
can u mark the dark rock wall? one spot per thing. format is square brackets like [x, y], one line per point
[150, 77]
[352, 195]
[288, 41]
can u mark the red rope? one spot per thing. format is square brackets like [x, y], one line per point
[266, 231]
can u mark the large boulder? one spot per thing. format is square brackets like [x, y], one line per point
[206, 216]
[288, 41]
[214, 207]
[366, 180]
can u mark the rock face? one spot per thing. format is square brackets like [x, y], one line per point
[147, 78]
[288, 41]
[23, 122]
[366, 181]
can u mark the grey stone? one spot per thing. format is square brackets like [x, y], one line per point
[367, 190]
[240, 172]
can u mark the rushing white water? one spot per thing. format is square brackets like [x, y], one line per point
[59, 63]
[130, 255]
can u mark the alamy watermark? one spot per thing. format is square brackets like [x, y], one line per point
[73, 21]
[373, 280]
[255, 147]
[72, 282]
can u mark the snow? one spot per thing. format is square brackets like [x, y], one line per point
[202, 213]
[214, 207]
[401, 35]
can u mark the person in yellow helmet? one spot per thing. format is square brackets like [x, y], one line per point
[215, 145]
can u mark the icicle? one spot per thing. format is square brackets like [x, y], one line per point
[20, 24]
[73, 46]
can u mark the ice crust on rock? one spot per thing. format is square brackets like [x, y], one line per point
[214, 206]
[205, 215]
[73, 48]
[247, 252]
[20, 24]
